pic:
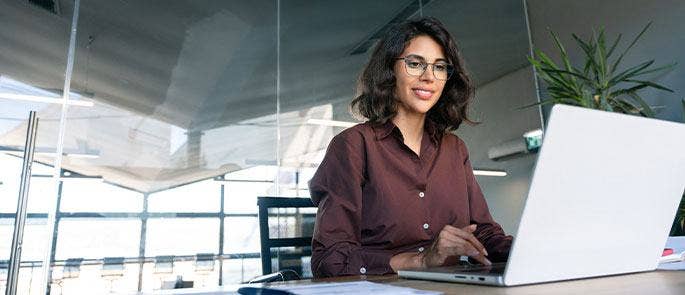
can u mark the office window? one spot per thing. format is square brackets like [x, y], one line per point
[182, 236]
[42, 194]
[93, 195]
[241, 197]
[97, 238]
[241, 235]
[9, 183]
[203, 196]
[238, 271]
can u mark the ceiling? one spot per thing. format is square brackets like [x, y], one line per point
[186, 90]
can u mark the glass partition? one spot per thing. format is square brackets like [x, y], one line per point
[184, 94]
[182, 114]
[33, 58]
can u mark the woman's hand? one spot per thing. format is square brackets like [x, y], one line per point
[453, 242]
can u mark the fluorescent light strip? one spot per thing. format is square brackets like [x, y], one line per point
[85, 179]
[46, 99]
[52, 154]
[533, 133]
[498, 173]
[72, 155]
[331, 123]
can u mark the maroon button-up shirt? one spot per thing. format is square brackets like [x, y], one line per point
[377, 198]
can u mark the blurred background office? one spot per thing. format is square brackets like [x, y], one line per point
[181, 113]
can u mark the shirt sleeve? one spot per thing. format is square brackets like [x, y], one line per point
[336, 188]
[488, 232]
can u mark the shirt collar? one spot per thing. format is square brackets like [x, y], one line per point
[385, 129]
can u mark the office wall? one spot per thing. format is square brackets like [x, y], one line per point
[495, 106]
[664, 41]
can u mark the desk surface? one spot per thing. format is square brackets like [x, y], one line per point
[657, 282]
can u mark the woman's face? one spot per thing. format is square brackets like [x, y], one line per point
[418, 93]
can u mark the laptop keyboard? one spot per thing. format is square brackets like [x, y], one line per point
[494, 268]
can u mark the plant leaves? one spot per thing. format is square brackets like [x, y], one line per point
[661, 68]
[548, 101]
[564, 55]
[645, 107]
[618, 61]
[613, 46]
[602, 77]
[568, 73]
[589, 50]
[650, 84]
[628, 90]
[630, 72]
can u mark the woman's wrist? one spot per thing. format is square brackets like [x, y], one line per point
[406, 260]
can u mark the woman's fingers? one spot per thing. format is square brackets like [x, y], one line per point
[453, 241]
[480, 258]
[466, 234]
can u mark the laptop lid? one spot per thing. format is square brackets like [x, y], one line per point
[603, 196]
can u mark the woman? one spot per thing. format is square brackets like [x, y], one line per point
[398, 191]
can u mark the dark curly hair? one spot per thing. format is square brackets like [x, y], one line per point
[376, 99]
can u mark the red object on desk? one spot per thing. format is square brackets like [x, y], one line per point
[667, 251]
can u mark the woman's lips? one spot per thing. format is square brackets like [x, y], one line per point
[423, 93]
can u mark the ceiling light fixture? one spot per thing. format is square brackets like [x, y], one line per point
[50, 152]
[483, 172]
[46, 99]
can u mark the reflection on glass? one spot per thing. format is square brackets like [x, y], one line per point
[182, 236]
[92, 279]
[297, 259]
[93, 195]
[241, 235]
[238, 271]
[182, 92]
[34, 235]
[41, 193]
[203, 196]
[241, 197]
[97, 238]
[186, 92]
[9, 189]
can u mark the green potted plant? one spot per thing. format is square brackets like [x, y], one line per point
[599, 84]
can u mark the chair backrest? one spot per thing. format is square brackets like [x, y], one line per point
[4, 267]
[113, 266]
[264, 203]
[164, 264]
[72, 268]
[204, 262]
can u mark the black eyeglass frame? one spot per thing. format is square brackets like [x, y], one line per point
[424, 65]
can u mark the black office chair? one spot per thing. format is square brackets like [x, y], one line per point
[267, 243]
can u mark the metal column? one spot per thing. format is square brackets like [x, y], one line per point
[22, 202]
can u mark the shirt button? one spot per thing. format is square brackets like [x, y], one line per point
[421, 249]
[421, 194]
[362, 270]
[425, 226]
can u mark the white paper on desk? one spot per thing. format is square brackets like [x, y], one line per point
[352, 288]
[678, 246]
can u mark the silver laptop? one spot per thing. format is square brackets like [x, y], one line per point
[602, 200]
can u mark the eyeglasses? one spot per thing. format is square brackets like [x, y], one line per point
[416, 66]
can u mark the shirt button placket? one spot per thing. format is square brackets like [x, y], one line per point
[426, 226]
[362, 270]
